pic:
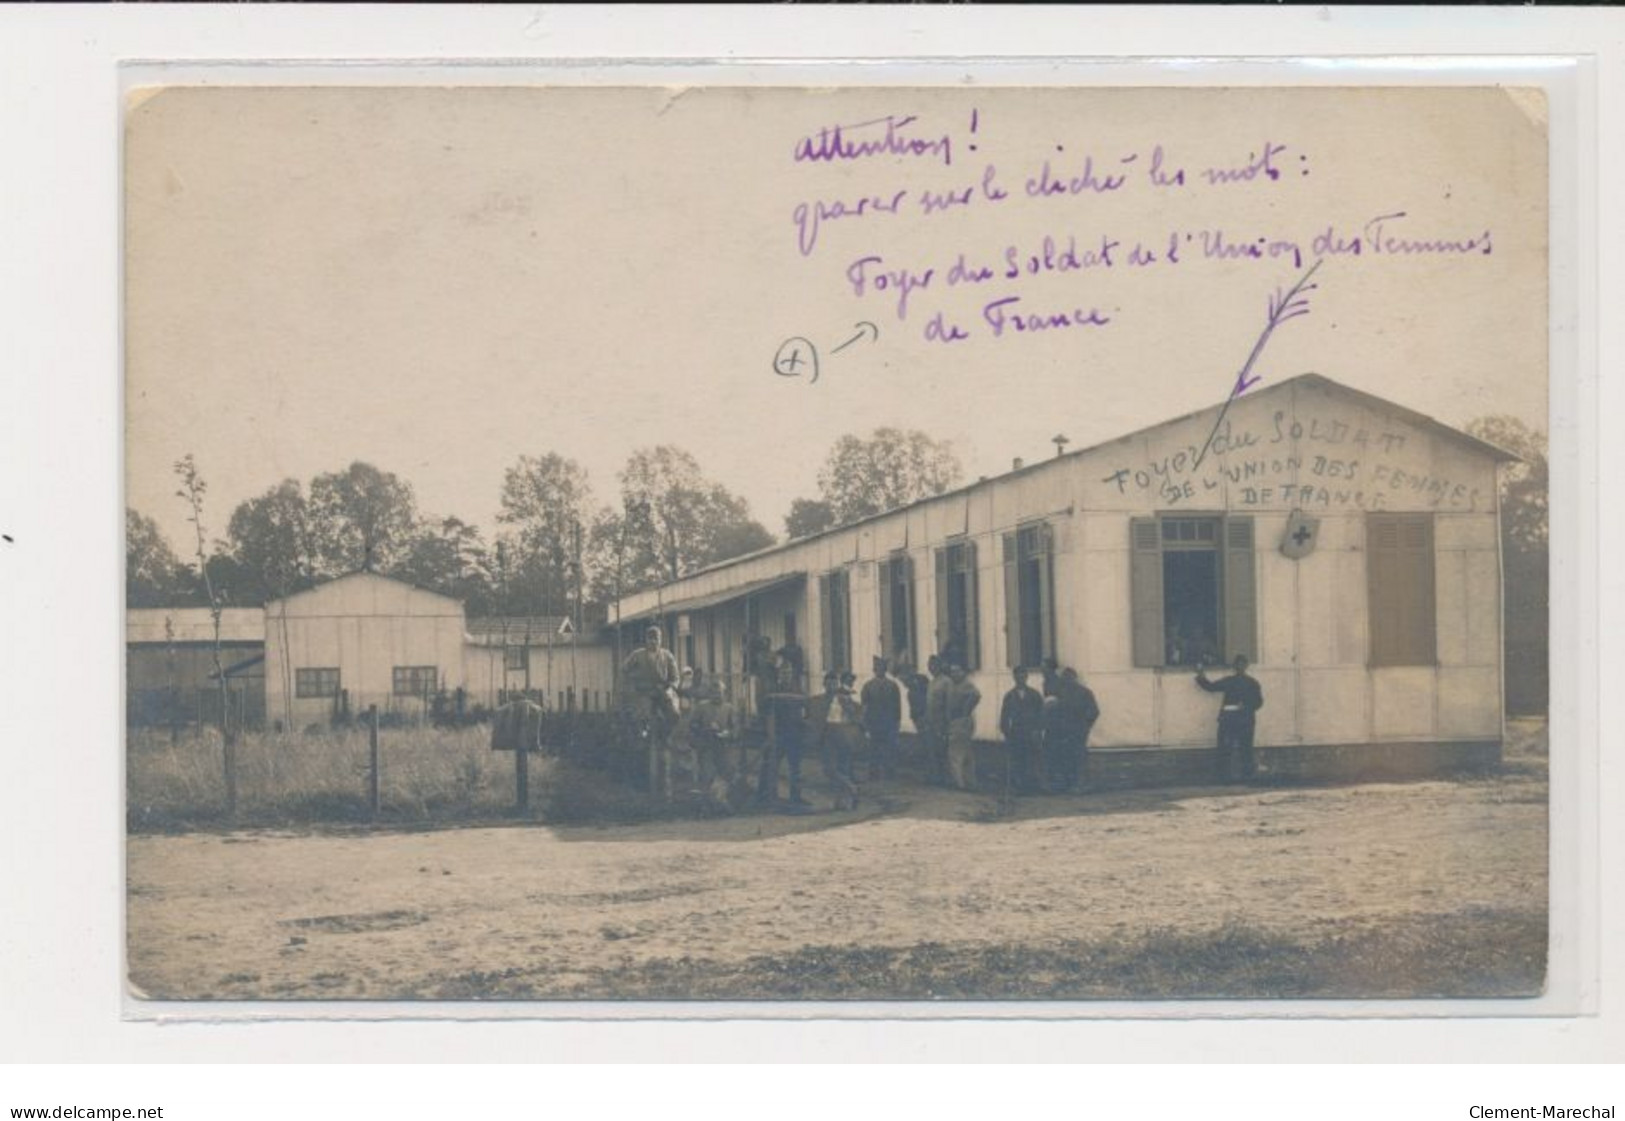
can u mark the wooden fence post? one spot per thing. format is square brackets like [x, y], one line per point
[521, 776]
[373, 798]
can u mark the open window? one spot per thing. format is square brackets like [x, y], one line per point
[1029, 594]
[1193, 590]
[958, 637]
[1399, 575]
[897, 608]
[835, 613]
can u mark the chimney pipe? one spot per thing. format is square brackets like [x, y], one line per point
[1016, 464]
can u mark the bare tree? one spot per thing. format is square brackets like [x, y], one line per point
[192, 489]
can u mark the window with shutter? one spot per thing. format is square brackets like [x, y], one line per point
[1145, 591]
[826, 632]
[897, 608]
[1193, 590]
[1240, 590]
[958, 635]
[1013, 653]
[1029, 595]
[835, 613]
[1399, 578]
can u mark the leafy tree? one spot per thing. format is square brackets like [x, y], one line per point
[1524, 558]
[362, 519]
[273, 542]
[548, 501]
[447, 555]
[153, 575]
[892, 467]
[808, 516]
[674, 520]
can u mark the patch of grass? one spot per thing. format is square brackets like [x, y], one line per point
[426, 774]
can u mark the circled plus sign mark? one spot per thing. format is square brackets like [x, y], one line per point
[796, 356]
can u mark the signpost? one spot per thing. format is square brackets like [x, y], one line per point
[372, 761]
[518, 728]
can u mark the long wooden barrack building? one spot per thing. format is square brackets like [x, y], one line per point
[1350, 547]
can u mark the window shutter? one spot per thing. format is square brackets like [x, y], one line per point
[942, 599]
[1145, 591]
[888, 641]
[1012, 601]
[1399, 580]
[826, 633]
[973, 609]
[1382, 588]
[1240, 590]
[1424, 622]
[1046, 570]
[910, 639]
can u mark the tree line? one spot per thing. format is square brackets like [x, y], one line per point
[555, 540]
[553, 532]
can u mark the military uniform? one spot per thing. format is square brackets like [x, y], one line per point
[962, 699]
[1021, 722]
[1243, 697]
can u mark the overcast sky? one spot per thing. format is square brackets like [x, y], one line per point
[439, 280]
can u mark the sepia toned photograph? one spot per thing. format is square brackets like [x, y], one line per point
[760, 543]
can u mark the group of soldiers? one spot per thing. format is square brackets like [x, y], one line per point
[696, 731]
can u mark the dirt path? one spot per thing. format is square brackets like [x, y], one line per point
[1426, 887]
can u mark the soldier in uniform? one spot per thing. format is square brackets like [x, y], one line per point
[787, 719]
[713, 734]
[1021, 720]
[963, 697]
[1242, 698]
[1079, 711]
[835, 719]
[882, 703]
[936, 719]
[649, 678]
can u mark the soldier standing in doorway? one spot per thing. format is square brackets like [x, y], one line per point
[1243, 697]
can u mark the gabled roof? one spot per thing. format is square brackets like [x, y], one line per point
[371, 575]
[511, 630]
[1309, 380]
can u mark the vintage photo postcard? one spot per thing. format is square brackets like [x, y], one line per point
[764, 543]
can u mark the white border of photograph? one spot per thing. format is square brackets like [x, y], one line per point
[65, 71]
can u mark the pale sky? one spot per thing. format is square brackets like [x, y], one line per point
[440, 280]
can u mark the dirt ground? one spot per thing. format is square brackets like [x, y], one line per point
[1402, 889]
